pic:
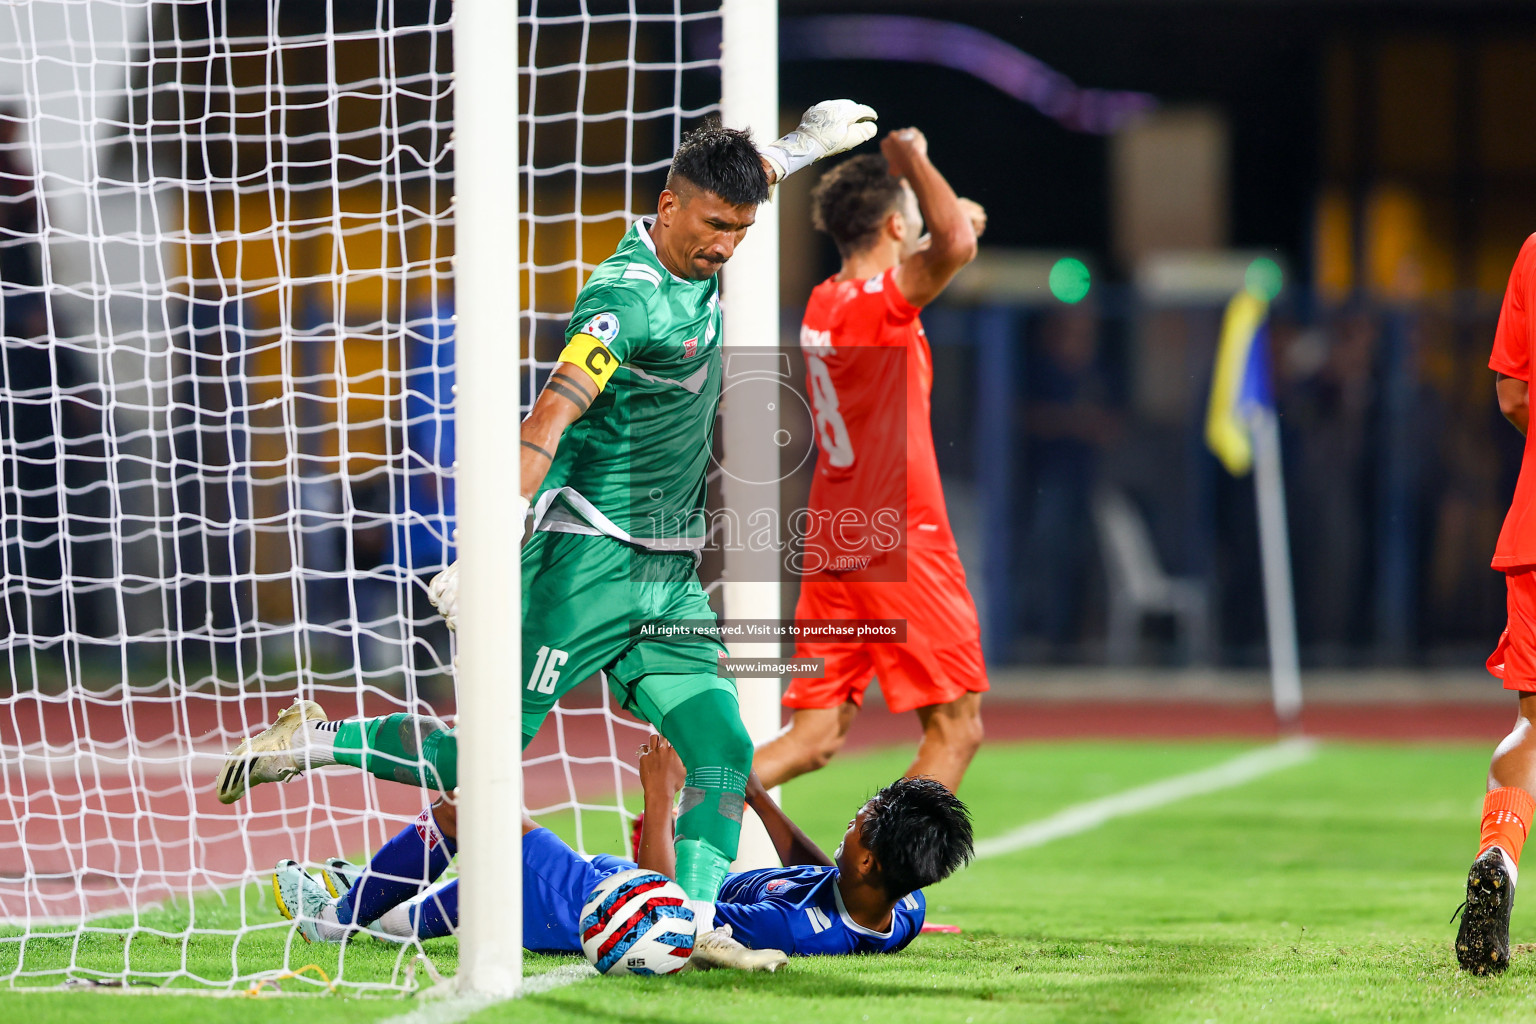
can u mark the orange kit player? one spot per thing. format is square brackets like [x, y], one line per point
[1482, 943]
[879, 545]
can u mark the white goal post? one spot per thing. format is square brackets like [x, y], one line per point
[749, 98]
[490, 697]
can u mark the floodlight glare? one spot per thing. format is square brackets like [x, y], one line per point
[1070, 280]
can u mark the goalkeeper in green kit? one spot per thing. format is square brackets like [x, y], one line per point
[614, 457]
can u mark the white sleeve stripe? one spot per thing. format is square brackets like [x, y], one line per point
[641, 272]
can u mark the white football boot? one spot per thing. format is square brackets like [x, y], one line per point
[339, 875]
[304, 901]
[716, 948]
[267, 756]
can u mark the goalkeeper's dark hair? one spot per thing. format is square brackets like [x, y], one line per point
[852, 200]
[919, 832]
[719, 160]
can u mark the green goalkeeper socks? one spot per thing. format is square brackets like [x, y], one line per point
[701, 869]
[400, 748]
[715, 748]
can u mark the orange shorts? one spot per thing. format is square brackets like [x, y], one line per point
[1514, 660]
[940, 660]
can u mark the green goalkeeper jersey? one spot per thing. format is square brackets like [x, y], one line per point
[633, 466]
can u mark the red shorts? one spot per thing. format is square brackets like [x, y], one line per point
[940, 660]
[1514, 660]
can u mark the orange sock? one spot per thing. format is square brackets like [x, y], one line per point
[1506, 818]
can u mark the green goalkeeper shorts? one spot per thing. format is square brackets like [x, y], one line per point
[595, 604]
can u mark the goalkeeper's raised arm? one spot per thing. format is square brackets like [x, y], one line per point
[827, 129]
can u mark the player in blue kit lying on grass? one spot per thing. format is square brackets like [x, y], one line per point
[866, 898]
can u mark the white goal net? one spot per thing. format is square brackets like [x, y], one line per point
[227, 437]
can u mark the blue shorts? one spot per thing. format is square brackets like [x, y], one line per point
[556, 883]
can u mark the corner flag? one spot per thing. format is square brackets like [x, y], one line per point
[1240, 387]
[1243, 430]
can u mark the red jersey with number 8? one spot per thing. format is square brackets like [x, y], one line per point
[879, 546]
[876, 489]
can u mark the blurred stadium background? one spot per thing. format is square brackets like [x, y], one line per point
[1381, 156]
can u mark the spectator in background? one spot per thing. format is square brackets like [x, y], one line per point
[51, 445]
[1068, 419]
[1458, 477]
[424, 544]
[20, 258]
[425, 507]
[1330, 400]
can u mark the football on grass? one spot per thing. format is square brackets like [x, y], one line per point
[637, 922]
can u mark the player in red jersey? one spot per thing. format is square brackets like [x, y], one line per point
[1482, 943]
[877, 541]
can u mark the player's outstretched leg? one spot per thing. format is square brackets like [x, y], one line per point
[717, 752]
[402, 868]
[1482, 941]
[410, 749]
[269, 756]
[434, 914]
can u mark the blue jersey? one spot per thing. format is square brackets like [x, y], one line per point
[800, 911]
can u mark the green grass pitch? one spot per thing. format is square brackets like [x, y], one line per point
[1318, 893]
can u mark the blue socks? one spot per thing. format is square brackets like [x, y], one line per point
[437, 914]
[403, 867]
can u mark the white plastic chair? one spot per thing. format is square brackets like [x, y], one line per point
[1139, 586]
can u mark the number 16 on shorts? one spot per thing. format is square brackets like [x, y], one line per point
[546, 671]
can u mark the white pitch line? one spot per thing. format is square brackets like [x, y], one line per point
[557, 978]
[1085, 816]
[461, 1008]
[449, 1010]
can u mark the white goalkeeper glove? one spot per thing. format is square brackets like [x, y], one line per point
[443, 589]
[828, 128]
[444, 593]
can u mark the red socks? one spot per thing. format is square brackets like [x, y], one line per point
[1506, 819]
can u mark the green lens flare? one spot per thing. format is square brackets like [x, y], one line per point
[1264, 278]
[1070, 280]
